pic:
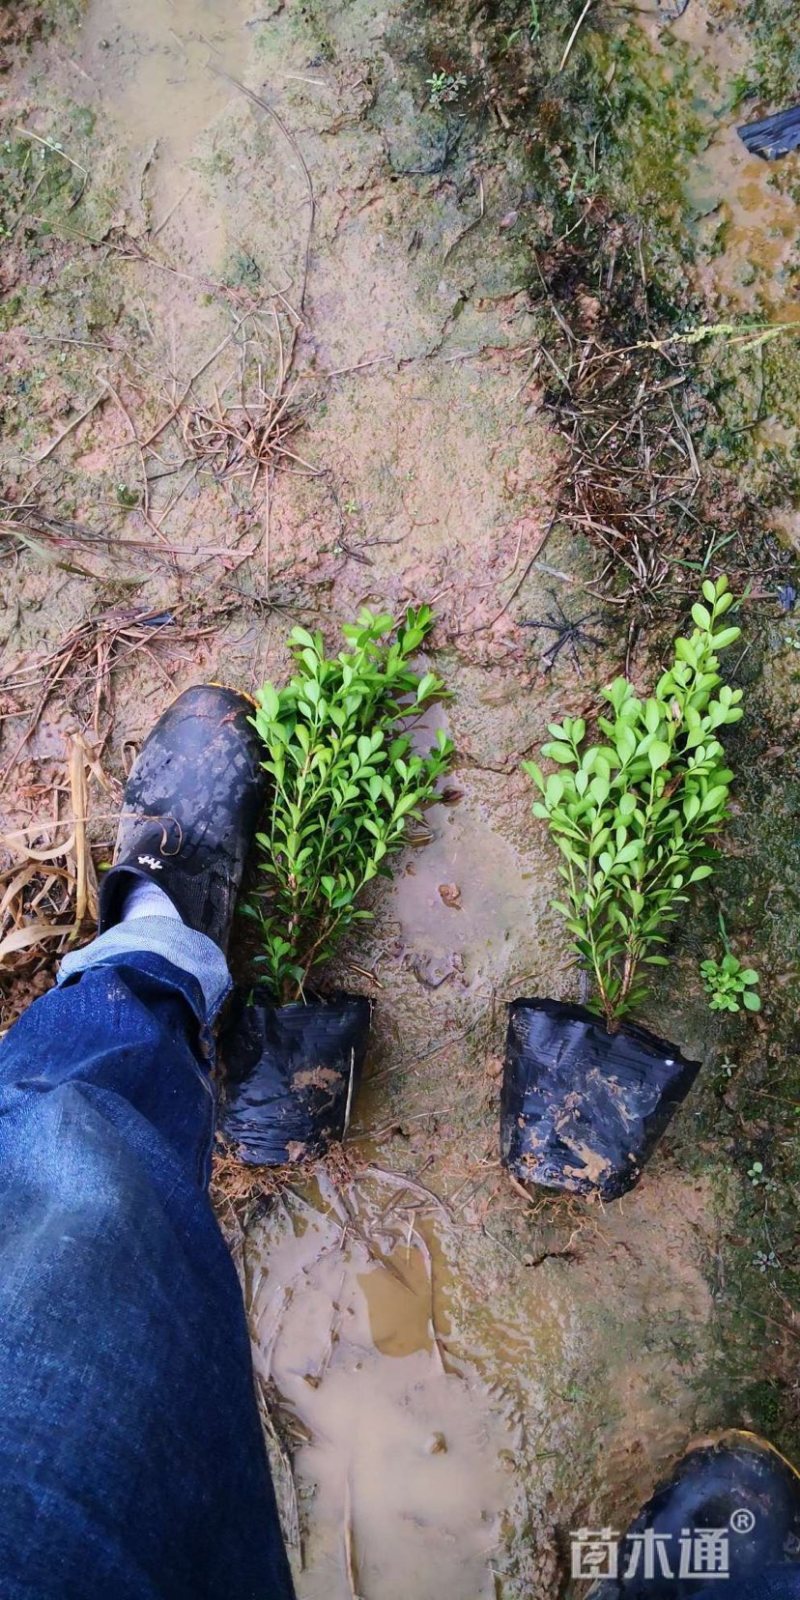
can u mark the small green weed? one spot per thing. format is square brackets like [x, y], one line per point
[34, 170]
[533, 28]
[345, 782]
[445, 87]
[242, 271]
[758, 1177]
[727, 982]
[766, 1261]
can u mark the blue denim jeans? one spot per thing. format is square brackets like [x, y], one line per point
[778, 1583]
[132, 1464]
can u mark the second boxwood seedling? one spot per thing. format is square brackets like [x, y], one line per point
[634, 815]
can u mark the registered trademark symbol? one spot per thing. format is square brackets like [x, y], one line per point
[742, 1521]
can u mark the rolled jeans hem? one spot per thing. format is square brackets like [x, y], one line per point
[192, 953]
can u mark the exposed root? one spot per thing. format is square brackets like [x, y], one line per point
[237, 1189]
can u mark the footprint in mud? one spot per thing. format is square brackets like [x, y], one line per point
[401, 1483]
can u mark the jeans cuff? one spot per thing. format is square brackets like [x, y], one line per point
[192, 952]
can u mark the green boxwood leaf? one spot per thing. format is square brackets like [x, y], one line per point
[658, 754]
[704, 871]
[562, 753]
[301, 636]
[268, 696]
[725, 637]
[626, 743]
[630, 851]
[535, 773]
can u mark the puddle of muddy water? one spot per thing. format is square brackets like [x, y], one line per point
[402, 1477]
[745, 217]
[153, 70]
[155, 58]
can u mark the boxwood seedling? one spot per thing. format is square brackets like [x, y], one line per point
[634, 814]
[344, 782]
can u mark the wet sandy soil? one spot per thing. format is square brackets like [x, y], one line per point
[464, 1375]
[744, 211]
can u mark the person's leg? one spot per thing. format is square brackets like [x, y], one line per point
[774, 1583]
[131, 1457]
[132, 1462]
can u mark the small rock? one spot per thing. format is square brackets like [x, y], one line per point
[451, 895]
[589, 309]
[436, 1445]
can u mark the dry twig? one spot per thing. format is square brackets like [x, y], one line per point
[280, 1458]
[245, 439]
[93, 648]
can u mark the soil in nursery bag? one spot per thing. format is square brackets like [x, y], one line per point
[582, 1109]
[292, 1072]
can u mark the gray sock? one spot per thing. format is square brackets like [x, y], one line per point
[147, 900]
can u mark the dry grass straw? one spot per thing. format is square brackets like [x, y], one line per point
[628, 407]
[272, 1415]
[248, 437]
[238, 1190]
[243, 438]
[632, 473]
[29, 525]
[48, 883]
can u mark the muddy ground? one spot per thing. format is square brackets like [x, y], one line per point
[459, 1376]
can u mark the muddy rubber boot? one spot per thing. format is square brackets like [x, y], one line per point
[190, 811]
[730, 1511]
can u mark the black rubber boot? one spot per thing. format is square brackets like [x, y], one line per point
[734, 1486]
[190, 811]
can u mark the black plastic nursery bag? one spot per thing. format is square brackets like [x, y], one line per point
[292, 1073]
[582, 1109]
